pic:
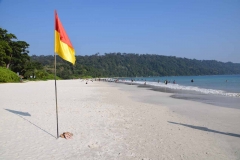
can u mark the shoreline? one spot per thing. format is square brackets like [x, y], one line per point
[217, 100]
[112, 121]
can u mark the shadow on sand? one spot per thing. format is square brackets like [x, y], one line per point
[18, 112]
[21, 114]
[206, 129]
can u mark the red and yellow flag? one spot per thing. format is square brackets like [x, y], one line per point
[63, 45]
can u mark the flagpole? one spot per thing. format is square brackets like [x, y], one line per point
[56, 97]
[55, 62]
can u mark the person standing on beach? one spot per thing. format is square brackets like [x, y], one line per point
[166, 82]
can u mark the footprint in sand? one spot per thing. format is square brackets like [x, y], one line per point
[93, 145]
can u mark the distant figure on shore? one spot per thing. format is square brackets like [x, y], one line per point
[166, 82]
[158, 81]
[174, 82]
[145, 83]
[192, 80]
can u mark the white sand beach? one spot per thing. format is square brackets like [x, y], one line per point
[112, 121]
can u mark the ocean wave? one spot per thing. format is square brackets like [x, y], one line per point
[185, 88]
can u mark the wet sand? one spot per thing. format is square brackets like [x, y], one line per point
[216, 100]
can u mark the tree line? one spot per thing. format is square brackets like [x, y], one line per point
[132, 65]
[14, 56]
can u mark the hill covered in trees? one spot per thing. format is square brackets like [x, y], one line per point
[14, 56]
[132, 65]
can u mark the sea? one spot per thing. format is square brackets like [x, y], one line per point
[219, 90]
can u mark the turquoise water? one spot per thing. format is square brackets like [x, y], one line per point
[225, 85]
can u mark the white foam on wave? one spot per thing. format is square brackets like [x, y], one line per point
[187, 88]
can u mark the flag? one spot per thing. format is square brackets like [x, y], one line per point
[63, 45]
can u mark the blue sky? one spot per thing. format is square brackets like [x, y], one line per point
[200, 29]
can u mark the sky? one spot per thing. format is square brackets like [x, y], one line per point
[194, 29]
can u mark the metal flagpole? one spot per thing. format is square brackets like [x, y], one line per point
[55, 64]
[56, 96]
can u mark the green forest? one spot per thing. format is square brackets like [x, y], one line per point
[132, 65]
[14, 56]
